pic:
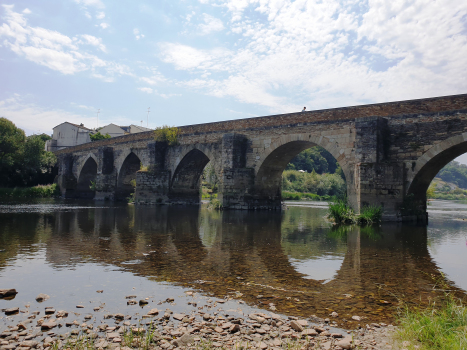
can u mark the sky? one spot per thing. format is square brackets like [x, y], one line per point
[197, 61]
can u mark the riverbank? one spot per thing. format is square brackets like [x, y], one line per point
[40, 191]
[205, 325]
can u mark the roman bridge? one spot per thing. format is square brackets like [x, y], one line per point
[389, 153]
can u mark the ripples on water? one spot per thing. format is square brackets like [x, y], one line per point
[294, 262]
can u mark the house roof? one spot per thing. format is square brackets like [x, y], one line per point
[78, 126]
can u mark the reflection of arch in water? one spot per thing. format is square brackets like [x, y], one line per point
[422, 171]
[126, 175]
[86, 179]
[279, 154]
[185, 183]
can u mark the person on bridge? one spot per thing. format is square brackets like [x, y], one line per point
[304, 109]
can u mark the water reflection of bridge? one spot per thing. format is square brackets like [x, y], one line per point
[243, 251]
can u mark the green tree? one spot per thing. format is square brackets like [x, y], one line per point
[23, 160]
[98, 136]
[11, 146]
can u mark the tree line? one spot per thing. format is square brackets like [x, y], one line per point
[23, 159]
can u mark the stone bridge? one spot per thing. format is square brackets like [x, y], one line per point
[389, 153]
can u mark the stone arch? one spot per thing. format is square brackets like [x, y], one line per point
[268, 173]
[421, 172]
[185, 184]
[87, 176]
[126, 174]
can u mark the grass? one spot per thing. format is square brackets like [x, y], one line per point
[40, 191]
[438, 327]
[341, 213]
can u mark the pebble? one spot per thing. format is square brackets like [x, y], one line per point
[42, 297]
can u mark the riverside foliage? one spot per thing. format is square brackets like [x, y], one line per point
[23, 160]
[312, 183]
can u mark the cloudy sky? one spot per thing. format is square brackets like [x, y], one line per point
[195, 61]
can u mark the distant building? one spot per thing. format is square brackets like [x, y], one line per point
[68, 135]
[116, 130]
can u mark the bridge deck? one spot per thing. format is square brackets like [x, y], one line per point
[426, 105]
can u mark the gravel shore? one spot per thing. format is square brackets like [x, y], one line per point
[204, 325]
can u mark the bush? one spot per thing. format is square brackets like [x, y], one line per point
[40, 191]
[341, 213]
[370, 215]
[167, 134]
[98, 136]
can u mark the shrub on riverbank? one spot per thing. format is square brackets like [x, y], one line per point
[40, 191]
[290, 196]
[312, 183]
[435, 328]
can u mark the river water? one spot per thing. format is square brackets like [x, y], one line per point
[292, 263]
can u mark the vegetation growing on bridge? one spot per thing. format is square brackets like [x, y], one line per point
[98, 136]
[168, 134]
[23, 160]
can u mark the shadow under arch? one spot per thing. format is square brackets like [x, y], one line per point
[185, 183]
[269, 175]
[126, 175]
[86, 177]
[430, 163]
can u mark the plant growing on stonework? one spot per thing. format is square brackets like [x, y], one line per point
[92, 186]
[168, 134]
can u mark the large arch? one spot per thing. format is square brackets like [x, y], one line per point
[268, 176]
[185, 183]
[126, 175]
[87, 177]
[422, 171]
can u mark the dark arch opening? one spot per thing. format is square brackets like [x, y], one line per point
[126, 180]
[185, 185]
[422, 180]
[269, 179]
[87, 178]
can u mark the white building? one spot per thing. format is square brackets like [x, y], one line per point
[116, 130]
[68, 135]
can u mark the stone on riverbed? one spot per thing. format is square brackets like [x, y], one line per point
[48, 325]
[42, 297]
[11, 311]
[296, 326]
[153, 312]
[7, 292]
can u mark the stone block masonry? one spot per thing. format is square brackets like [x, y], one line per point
[389, 153]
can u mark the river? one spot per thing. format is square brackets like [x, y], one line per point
[291, 263]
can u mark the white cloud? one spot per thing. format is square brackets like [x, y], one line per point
[104, 25]
[146, 90]
[186, 57]
[211, 24]
[26, 114]
[26, 11]
[94, 3]
[331, 53]
[100, 15]
[92, 40]
[57, 51]
[137, 34]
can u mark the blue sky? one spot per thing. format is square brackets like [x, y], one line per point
[196, 61]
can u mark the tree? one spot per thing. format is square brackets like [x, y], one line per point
[23, 160]
[98, 136]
